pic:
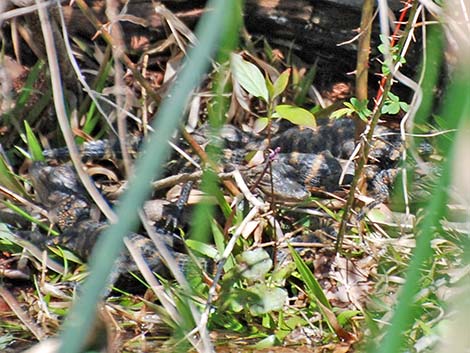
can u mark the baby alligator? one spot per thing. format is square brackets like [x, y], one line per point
[60, 192]
[307, 160]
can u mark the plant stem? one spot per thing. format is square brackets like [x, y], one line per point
[385, 86]
[362, 66]
[363, 153]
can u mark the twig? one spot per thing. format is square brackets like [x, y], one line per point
[59, 99]
[362, 66]
[384, 89]
[24, 10]
[37, 331]
[119, 87]
[91, 94]
[364, 152]
[101, 28]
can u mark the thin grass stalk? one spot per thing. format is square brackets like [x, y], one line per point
[363, 156]
[118, 48]
[362, 66]
[59, 105]
[385, 87]
[109, 245]
[455, 109]
[101, 29]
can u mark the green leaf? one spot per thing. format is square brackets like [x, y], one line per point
[281, 83]
[391, 108]
[359, 107]
[304, 85]
[351, 106]
[260, 124]
[219, 241]
[404, 106]
[296, 115]
[66, 255]
[28, 88]
[34, 146]
[314, 288]
[227, 320]
[393, 97]
[345, 316]
[254, 264]
[202, 248]
[8, 179]
[341, 112]
[393, 105]
[266, 299]
[249, 77]
[6, 340]
[28, 217]
[267, 342]
[270, 87]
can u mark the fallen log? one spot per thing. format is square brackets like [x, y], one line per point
[321, 31]
[312, 29]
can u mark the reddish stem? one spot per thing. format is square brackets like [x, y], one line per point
[393, 41]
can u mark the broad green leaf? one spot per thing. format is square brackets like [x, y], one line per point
[33, 143]
[345, 316]
[260, 124]
[266, 299]
[254, 264]
[393, 97]
[267, 342]
[404, 106]
[281, 83]
[296, 115]
[392, 108]
[249, 77]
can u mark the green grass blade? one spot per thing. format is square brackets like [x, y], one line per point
[8, 179]
[28, 88]
[313, 286]
[305, 84]
[455, 108]
[28, 217]
[80, 318]
[34, 146]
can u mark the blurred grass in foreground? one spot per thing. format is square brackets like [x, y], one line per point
[454, 112]
[78, 322]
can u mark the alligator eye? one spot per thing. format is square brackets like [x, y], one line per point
[53, 241]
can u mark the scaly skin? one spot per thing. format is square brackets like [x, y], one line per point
[59, 190]
[308, 160]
